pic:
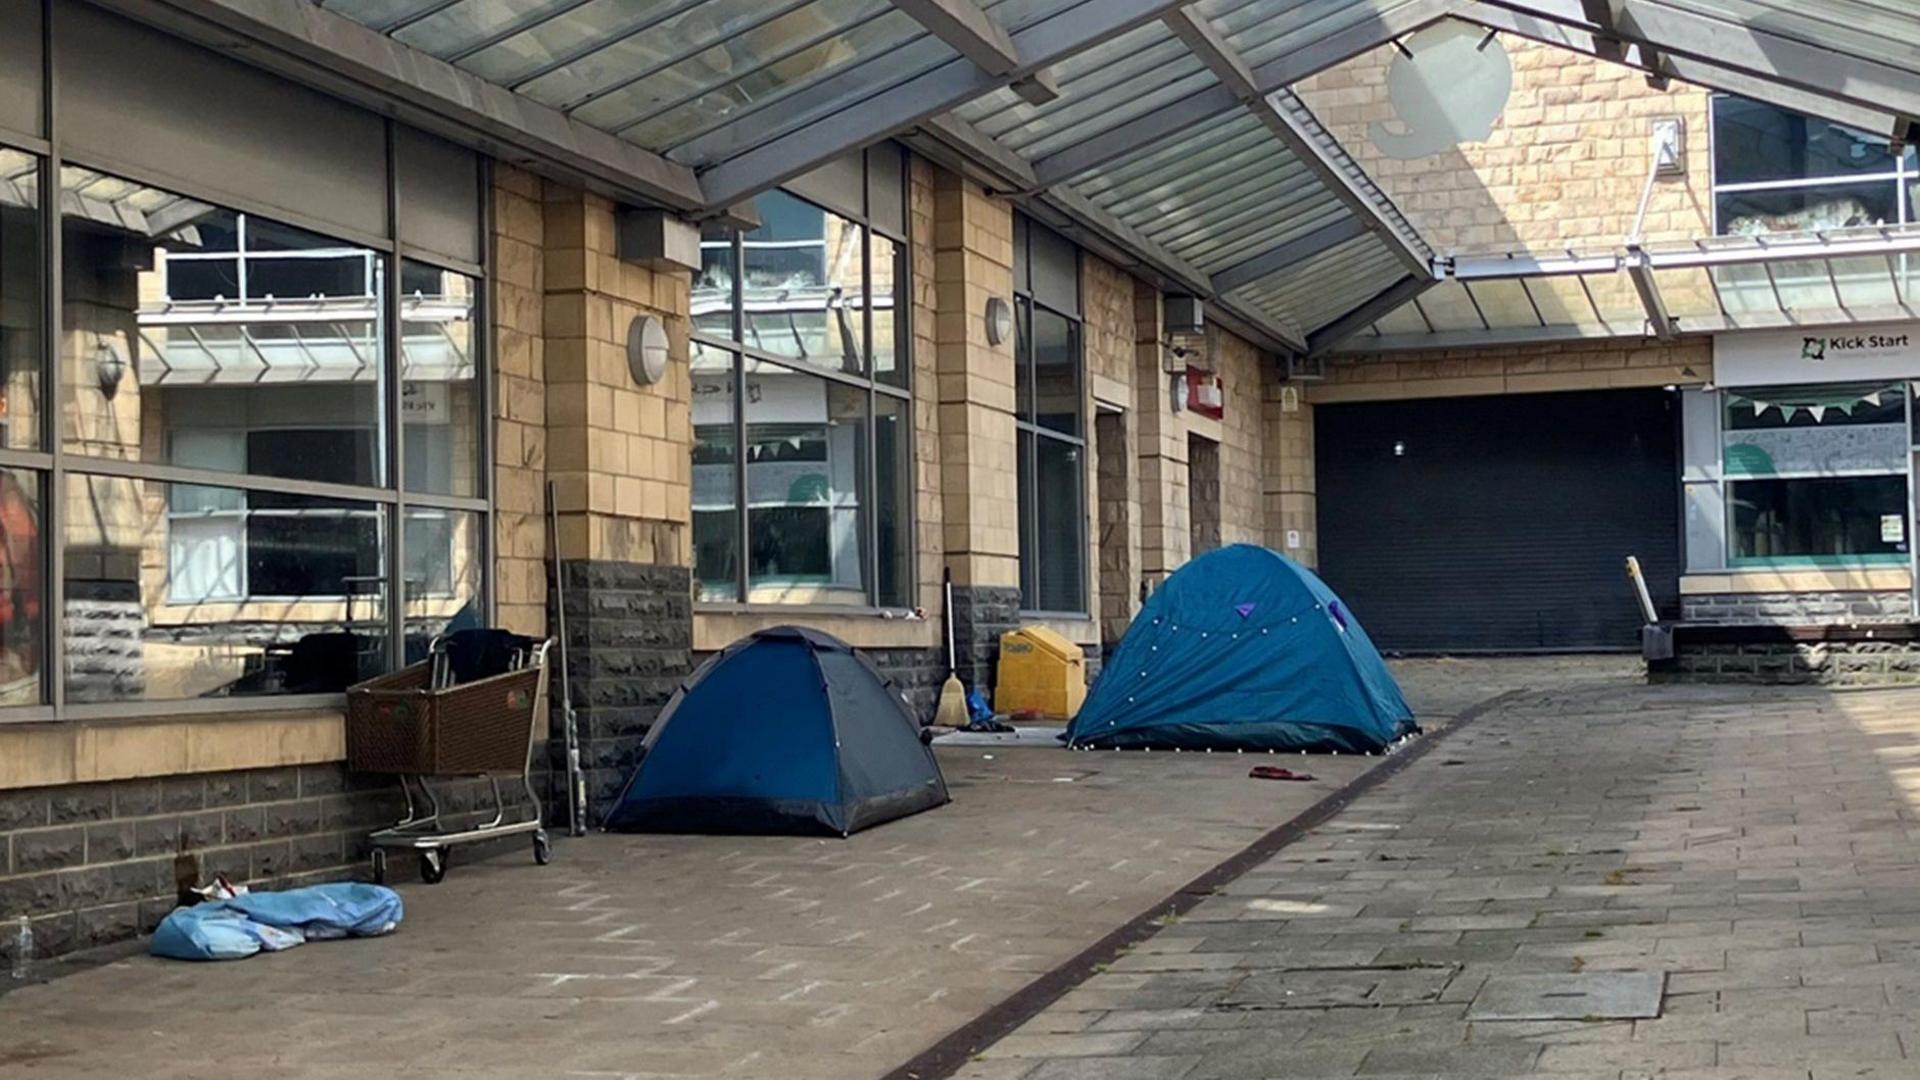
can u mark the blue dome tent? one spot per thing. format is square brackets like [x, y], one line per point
[787, 730]
[1244, 649]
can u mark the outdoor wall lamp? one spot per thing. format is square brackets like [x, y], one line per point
[646, 350]
[108, 367]
[999, 320]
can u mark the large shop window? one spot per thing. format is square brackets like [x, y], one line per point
[1048, 376]
[263, 489]
[801, 399]
[1816, 475]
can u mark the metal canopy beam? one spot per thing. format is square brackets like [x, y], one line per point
[964, 148]
[964, 26]
[1881, 242]
[1334, 49]
[1137, 134]
[1684, 68]
[1605, 14]
[1300, 130]
[1745, 48]
[1286, 116]
[1276, 259]
[1215, 101]
[1196, 31]
[1460, 339]
[1641, 273]
[886, 110]
[981, 155]
[305, 42]
[1122, 243]
[1384, 303]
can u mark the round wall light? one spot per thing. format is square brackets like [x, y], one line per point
[109, 367]
[646, 349]
[999, 321]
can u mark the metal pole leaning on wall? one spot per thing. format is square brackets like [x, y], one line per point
[570, 727]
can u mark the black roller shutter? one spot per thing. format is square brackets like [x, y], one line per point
[1500, 523]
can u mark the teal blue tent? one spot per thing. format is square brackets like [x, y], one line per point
[787, 730]
[1244, 649]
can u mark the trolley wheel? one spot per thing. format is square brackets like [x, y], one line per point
[379, 861]
[433, 865]
[542, 848]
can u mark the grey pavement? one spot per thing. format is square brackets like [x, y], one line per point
[636, 956]
[1590, 881]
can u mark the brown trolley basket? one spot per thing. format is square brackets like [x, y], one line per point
[472, 708]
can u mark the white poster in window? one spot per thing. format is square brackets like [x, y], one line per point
[425, 403]
[1834, 450]
[1817, 355]
[1893, 529]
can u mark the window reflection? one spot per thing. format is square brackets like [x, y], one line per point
[802, 284]
[893, 498]
[712, 298]
[1059, 480]
[716, 520]
[1808, 209]
[1056, 372]
[1755, 142]
[816, 292]
[20, 300]
[889, 350]
[439, 402]
[22, 596]
[1050, 456]
[443, 576]
[186, 324]
[184, 591]
[805, 462]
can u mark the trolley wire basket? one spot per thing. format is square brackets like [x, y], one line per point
[471, 709]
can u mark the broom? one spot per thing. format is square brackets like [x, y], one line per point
[952, 711]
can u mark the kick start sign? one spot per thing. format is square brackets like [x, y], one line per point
[1817, 355]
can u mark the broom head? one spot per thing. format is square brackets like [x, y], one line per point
[952, 711]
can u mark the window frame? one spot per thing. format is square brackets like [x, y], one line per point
[738, 350]
[1726, 479]
[1028, 427]
[57, 467]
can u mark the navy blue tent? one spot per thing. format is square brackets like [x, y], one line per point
[1244, 649]
[787, 730]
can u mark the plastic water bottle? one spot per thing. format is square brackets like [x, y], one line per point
[22, 947]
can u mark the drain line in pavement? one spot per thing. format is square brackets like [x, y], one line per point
[953, 1052]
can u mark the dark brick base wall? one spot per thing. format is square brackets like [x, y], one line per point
[1834, 663]
[916, 673]
[980, 615]
[1798, 608]
[629, 645]
[91, 864]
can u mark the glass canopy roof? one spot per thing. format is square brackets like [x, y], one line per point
[1724, 283]
[1165, 130]
[664, 74]
[706, 83]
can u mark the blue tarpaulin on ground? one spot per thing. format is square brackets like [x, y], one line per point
[243, 925]
[1243, 648]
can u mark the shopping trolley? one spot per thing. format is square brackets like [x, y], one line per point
[471, 708]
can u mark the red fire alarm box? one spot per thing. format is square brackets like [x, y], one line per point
[1206, 395]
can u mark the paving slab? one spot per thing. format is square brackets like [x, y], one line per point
[746, 957]
[1626, 995]
[1723, 882]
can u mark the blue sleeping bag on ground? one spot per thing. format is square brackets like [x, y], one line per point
[271, 921]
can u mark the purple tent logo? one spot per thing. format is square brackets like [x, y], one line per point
[1339, 616]
[1245, 609]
